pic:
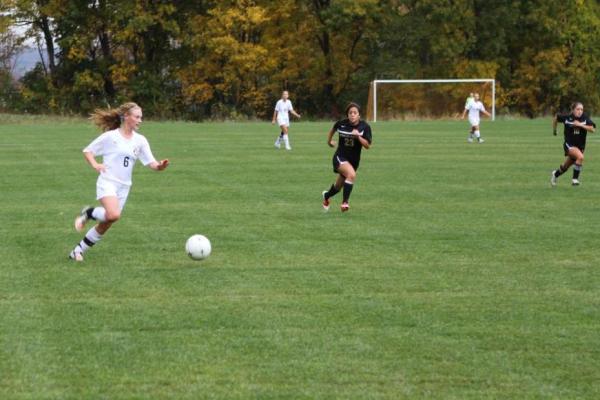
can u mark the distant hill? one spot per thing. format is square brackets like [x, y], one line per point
[26, 61]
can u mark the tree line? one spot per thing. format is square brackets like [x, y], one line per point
[231, 58]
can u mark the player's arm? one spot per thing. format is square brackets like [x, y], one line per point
[486, 113]
[274, 116]
[295, 114]
[364, 142]
[554, 123]
[91, 159]
[96, 147]
[464, 113]
[147, 158]
[159, 165]
[589, 128]
[362, 139]
[330, 141]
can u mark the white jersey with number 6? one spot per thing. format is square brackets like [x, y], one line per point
[120, 154]
[474, 108]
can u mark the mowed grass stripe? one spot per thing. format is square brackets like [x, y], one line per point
[458, 272]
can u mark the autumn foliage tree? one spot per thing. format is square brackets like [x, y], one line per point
[232, 58]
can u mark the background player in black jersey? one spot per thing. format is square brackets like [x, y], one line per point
[577, 125]
[354, 134]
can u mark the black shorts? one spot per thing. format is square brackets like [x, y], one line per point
[567, 146]
[338, 160]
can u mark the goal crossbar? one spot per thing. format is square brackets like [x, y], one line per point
[384, 81]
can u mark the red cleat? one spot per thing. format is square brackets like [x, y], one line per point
[345, 207]
[325, 201]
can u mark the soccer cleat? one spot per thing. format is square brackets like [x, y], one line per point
[553, 179]
[575, 182]
[480, 140]
[470, 140]
[277, 144]
[345, 207]
[76, 256]
[288, 147]
[81, 219]
[325, 201]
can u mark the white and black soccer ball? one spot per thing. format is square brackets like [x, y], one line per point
[198, 247]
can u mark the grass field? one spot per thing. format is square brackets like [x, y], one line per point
[457, 274]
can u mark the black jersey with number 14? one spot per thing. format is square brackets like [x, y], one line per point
[349, 146]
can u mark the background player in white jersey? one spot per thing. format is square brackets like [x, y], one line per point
[469, 99]
[120, 146]
[474, 107]
[283, 108]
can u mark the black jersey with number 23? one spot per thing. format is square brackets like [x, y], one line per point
[349, 146]
[574, 135]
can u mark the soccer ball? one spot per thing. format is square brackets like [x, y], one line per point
[198, 247]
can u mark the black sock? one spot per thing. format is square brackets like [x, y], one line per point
[331, 192]
[281, 135]
[558, 172]
[347, 190]
[89, 212]
[576, 171]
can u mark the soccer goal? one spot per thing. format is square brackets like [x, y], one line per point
[426, 98]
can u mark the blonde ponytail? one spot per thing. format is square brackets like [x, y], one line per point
[109, 119]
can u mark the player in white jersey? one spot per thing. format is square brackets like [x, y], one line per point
[120, 146]
[469, 99]
[283, 108]
[474, 107]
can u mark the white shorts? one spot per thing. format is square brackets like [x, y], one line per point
[474, 121]
[283, 121]
[106, 187]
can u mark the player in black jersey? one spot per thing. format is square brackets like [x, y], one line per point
[577, 125]
[354, 134]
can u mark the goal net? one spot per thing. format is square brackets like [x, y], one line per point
[426, 98]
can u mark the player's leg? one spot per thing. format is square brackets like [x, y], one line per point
[286, 139]
[577, 154]
[279, 140]
[113, 197]
[89, 213]
[333, 190]
[347, 170]
[569, 160]
[112, 213]
[471, 134]
[104, 188]
[337, 161]
[477, 133]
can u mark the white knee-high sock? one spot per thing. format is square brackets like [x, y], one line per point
[99, 214]
[286, 140]
[477, 134]
[91, 238]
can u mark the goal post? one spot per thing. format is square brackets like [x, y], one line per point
[377, 85]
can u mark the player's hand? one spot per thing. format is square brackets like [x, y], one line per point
[100, 168]
[331, 143]
[162, 165]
